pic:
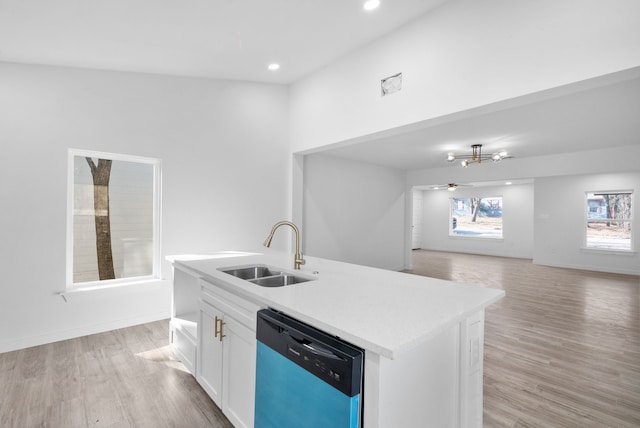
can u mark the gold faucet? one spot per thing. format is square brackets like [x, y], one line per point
[298, 260]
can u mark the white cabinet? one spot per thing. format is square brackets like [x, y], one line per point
[227, 353]
[212, 332]
[439, 381]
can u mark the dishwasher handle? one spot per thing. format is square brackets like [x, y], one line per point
[314, 348]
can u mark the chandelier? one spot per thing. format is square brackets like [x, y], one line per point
[476, 156]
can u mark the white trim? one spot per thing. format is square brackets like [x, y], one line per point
[71, 153]
[452, 234]
[71, 333]
[590, 267]
[157, 220]
[477, 238]
[605, 250]
[611, 251]
[114, 156]
[110, 283]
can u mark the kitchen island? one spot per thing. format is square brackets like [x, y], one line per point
[423, 337]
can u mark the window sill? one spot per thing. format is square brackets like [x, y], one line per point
[608, 251]
[87, 288]
[477, 238]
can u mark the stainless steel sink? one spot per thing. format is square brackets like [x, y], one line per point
[279, 281]
[250, 272]
[265, 276]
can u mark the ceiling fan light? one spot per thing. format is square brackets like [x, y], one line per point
[452, 187]
[476, 156]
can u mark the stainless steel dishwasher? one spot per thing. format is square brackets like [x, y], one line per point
[305, 378]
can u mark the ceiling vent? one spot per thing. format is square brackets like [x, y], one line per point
[391, 84]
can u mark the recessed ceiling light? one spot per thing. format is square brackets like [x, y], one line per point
[371, 4]
[508, 183]
[273, 66]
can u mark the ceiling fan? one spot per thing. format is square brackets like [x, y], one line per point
[449, 186]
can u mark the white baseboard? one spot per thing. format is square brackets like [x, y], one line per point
[56, 336]
[594, 268]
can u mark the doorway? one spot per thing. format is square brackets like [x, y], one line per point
[416, 220]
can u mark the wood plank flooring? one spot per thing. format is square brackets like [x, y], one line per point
[562, 349]
[122, 378]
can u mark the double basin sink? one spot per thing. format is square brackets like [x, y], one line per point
[265, 276]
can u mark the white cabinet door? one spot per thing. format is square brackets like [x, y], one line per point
[239, 367]
[227, 364]
[209, 367]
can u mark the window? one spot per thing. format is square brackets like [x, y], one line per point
[113, 218]
[608, 220]
[476, 217]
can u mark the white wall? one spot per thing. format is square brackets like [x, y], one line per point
[463, 55]
[559, 222]
[224, 147]
[517, 222]
[354, 212]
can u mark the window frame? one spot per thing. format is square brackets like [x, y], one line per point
[587, 220]
[460, 236]
[156, 273]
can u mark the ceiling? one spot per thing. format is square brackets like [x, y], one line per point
[237, 39]
[588, 115]
[222, 39]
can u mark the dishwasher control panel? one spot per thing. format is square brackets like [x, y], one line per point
[307, 360]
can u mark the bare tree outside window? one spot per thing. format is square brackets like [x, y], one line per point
[476, 217]
[609, 220]
[114, 218]
[101, 174]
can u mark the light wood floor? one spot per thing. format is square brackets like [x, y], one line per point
[562, 349]
[123, 378]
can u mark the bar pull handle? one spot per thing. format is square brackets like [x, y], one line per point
[218, 328]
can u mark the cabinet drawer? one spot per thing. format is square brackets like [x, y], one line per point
[238, 308]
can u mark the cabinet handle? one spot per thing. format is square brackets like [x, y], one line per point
[222, 335]
[218, 328]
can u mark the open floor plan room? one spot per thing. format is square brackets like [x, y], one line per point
[562, 349]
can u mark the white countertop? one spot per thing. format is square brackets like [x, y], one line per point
[381, 311]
